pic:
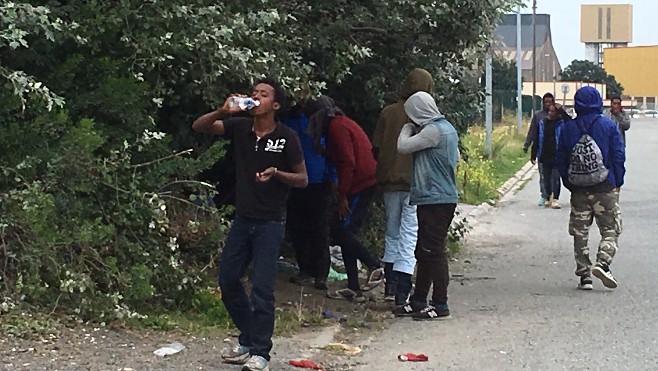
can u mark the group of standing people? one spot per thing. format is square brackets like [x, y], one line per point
[587, 154]
[319, 169]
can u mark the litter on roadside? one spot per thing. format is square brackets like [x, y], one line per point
[412, 357]
[347, 349]
[305, 363]
[169, 349]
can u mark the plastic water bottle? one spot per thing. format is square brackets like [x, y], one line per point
[244, 103]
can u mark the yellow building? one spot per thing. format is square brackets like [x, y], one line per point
[635, 68]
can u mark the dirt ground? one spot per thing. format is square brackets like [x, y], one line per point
[89, 347]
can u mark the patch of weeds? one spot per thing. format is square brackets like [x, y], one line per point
[26, 325]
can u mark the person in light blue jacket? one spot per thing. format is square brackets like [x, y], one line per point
[434, 143]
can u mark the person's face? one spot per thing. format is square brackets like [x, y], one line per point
[548, 102]
[615, 106]
[264, 93]
[552, 112]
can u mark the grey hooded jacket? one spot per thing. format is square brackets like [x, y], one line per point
[435, 147]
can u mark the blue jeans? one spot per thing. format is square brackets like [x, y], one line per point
[542, 187]
[551, 180]
[401, 232]
[257, 242]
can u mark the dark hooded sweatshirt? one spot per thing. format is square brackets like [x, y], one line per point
[394, 170]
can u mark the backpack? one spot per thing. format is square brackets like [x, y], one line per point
[586, 167]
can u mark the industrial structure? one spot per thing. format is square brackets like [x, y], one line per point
[547, 64]
[605, 26]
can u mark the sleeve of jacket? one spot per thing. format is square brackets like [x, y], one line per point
[624, 121]
[618, 157]
[562, 156]
[534, 149]
[341, 148]
[428, 137]
[531, 137]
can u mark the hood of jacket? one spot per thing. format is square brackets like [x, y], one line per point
[417, 80]
[422, 109]
[588, 101]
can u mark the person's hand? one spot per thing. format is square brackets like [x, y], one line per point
[343, 208]
[534, 161]
[525, 149]
[558, 106]
[616, 190]
[266, 175]
[227, 109]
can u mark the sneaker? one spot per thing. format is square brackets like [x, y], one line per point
[375, 278]
[602, 272]
[432, 313]
[256, 363]
[302, 279]
[542, 202]
[347, 294]
[237, 356]
[389, 298]
[555, 205]
[406, 310]
[585, 283]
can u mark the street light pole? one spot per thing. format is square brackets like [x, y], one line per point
[519, 76]
[534, 55]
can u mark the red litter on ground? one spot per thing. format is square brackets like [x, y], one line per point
[305, 363]
[411, 357]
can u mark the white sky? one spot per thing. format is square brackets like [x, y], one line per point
[565, 24]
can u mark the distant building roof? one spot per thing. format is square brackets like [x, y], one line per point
[505, 33]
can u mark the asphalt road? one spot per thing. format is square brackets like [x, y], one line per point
[517, 306]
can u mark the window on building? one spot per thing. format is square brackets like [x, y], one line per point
[650, 102]
[639, 102]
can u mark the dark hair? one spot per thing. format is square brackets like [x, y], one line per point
[279, 92]
[614, 98]
[548, 95]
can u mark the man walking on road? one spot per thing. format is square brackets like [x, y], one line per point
[620, 117]
[591, 156]
[268, 161]
[533, 136]
[394, 177]
[434, 142]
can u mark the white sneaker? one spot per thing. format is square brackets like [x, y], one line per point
[555, 205]
[256, 363]
[603, 273]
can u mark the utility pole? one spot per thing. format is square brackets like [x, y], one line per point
[534, 55]
[488, 112]
[519, 76]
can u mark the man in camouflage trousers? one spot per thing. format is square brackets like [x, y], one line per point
[599, 201]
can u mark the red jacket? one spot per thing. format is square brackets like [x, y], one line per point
[350, 150]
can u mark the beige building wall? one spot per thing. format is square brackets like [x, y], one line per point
[606, 24]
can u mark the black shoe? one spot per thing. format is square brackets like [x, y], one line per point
[406, 310]
[602, 272]
[302, 279]
[432, 313]
[585, 283]
[321, 285]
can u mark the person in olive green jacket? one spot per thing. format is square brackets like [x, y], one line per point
[394, 177]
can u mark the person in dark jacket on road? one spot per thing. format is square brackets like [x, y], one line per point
[533, 136]
[590, 159]
[544, 151]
